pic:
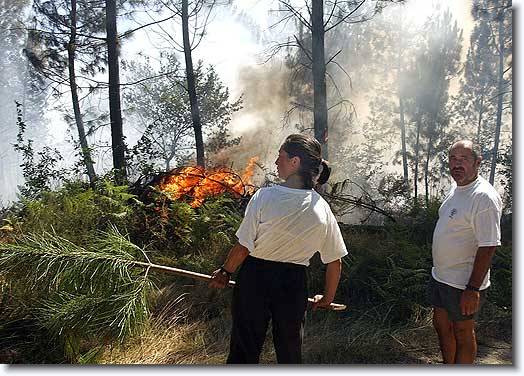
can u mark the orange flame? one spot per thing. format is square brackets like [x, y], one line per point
[197, 183]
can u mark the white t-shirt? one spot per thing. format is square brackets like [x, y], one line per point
[290, 225]
[469, 218]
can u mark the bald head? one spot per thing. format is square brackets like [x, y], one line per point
[468, 145]
[464, 161]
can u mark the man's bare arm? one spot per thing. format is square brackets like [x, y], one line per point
[470, 299]
[481, 265]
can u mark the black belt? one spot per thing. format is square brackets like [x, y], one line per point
[278, 264]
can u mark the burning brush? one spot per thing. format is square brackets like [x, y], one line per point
[197, 183]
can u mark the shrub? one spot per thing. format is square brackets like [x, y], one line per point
[75, 211]
[500, 291]
[384, 269]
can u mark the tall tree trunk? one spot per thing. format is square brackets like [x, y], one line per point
[500, 88]
[401, 105]
[433, 131]
[403, 138]
[479, 122]
[320, 112]
[426, 171]
[417, 153]
[115, 115]
[433, 127]
[191, 88]
[71, 47]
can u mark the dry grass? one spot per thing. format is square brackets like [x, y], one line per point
[183, 331]
[177, 343]
[191, 336]
[329, 339]
[204, 343]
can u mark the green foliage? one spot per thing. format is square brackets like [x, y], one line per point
[500, 291]
[214, 232]
[162, 225]
[75, 211]
[387, 270]
[72, 275]
[40, 170]
[421, 220]
[176, 234]
[161, 110]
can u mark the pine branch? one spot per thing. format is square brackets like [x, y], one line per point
[81, 292]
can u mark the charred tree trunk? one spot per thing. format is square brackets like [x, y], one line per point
[191, 87]
[117, 136]
[71, 47]
[500, 88]
[320, 112]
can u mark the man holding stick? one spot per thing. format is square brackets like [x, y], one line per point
[464, 242]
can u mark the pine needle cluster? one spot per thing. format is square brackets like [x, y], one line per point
[79, 293]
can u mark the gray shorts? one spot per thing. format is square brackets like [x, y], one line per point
[448, 298]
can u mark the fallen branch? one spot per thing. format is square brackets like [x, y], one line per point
[48, 258]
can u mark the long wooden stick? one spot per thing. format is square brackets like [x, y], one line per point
[207, 278]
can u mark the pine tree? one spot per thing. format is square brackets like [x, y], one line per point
[437, 61]
[18, 82]
[161, 107]
[64, 36]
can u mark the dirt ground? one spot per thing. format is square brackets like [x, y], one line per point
[491, 350]
[495, 352]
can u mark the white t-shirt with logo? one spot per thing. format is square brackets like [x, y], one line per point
[290, 225]
[469, 218]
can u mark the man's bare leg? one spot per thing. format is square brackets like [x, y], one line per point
[446, 335]
[466, 341]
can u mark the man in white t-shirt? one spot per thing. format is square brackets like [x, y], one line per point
[464, 242]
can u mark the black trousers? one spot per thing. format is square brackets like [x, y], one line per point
[268, 290]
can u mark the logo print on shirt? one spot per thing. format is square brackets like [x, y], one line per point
[453, 212]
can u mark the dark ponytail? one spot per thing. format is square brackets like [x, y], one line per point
[325, 173]
[309, 151]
